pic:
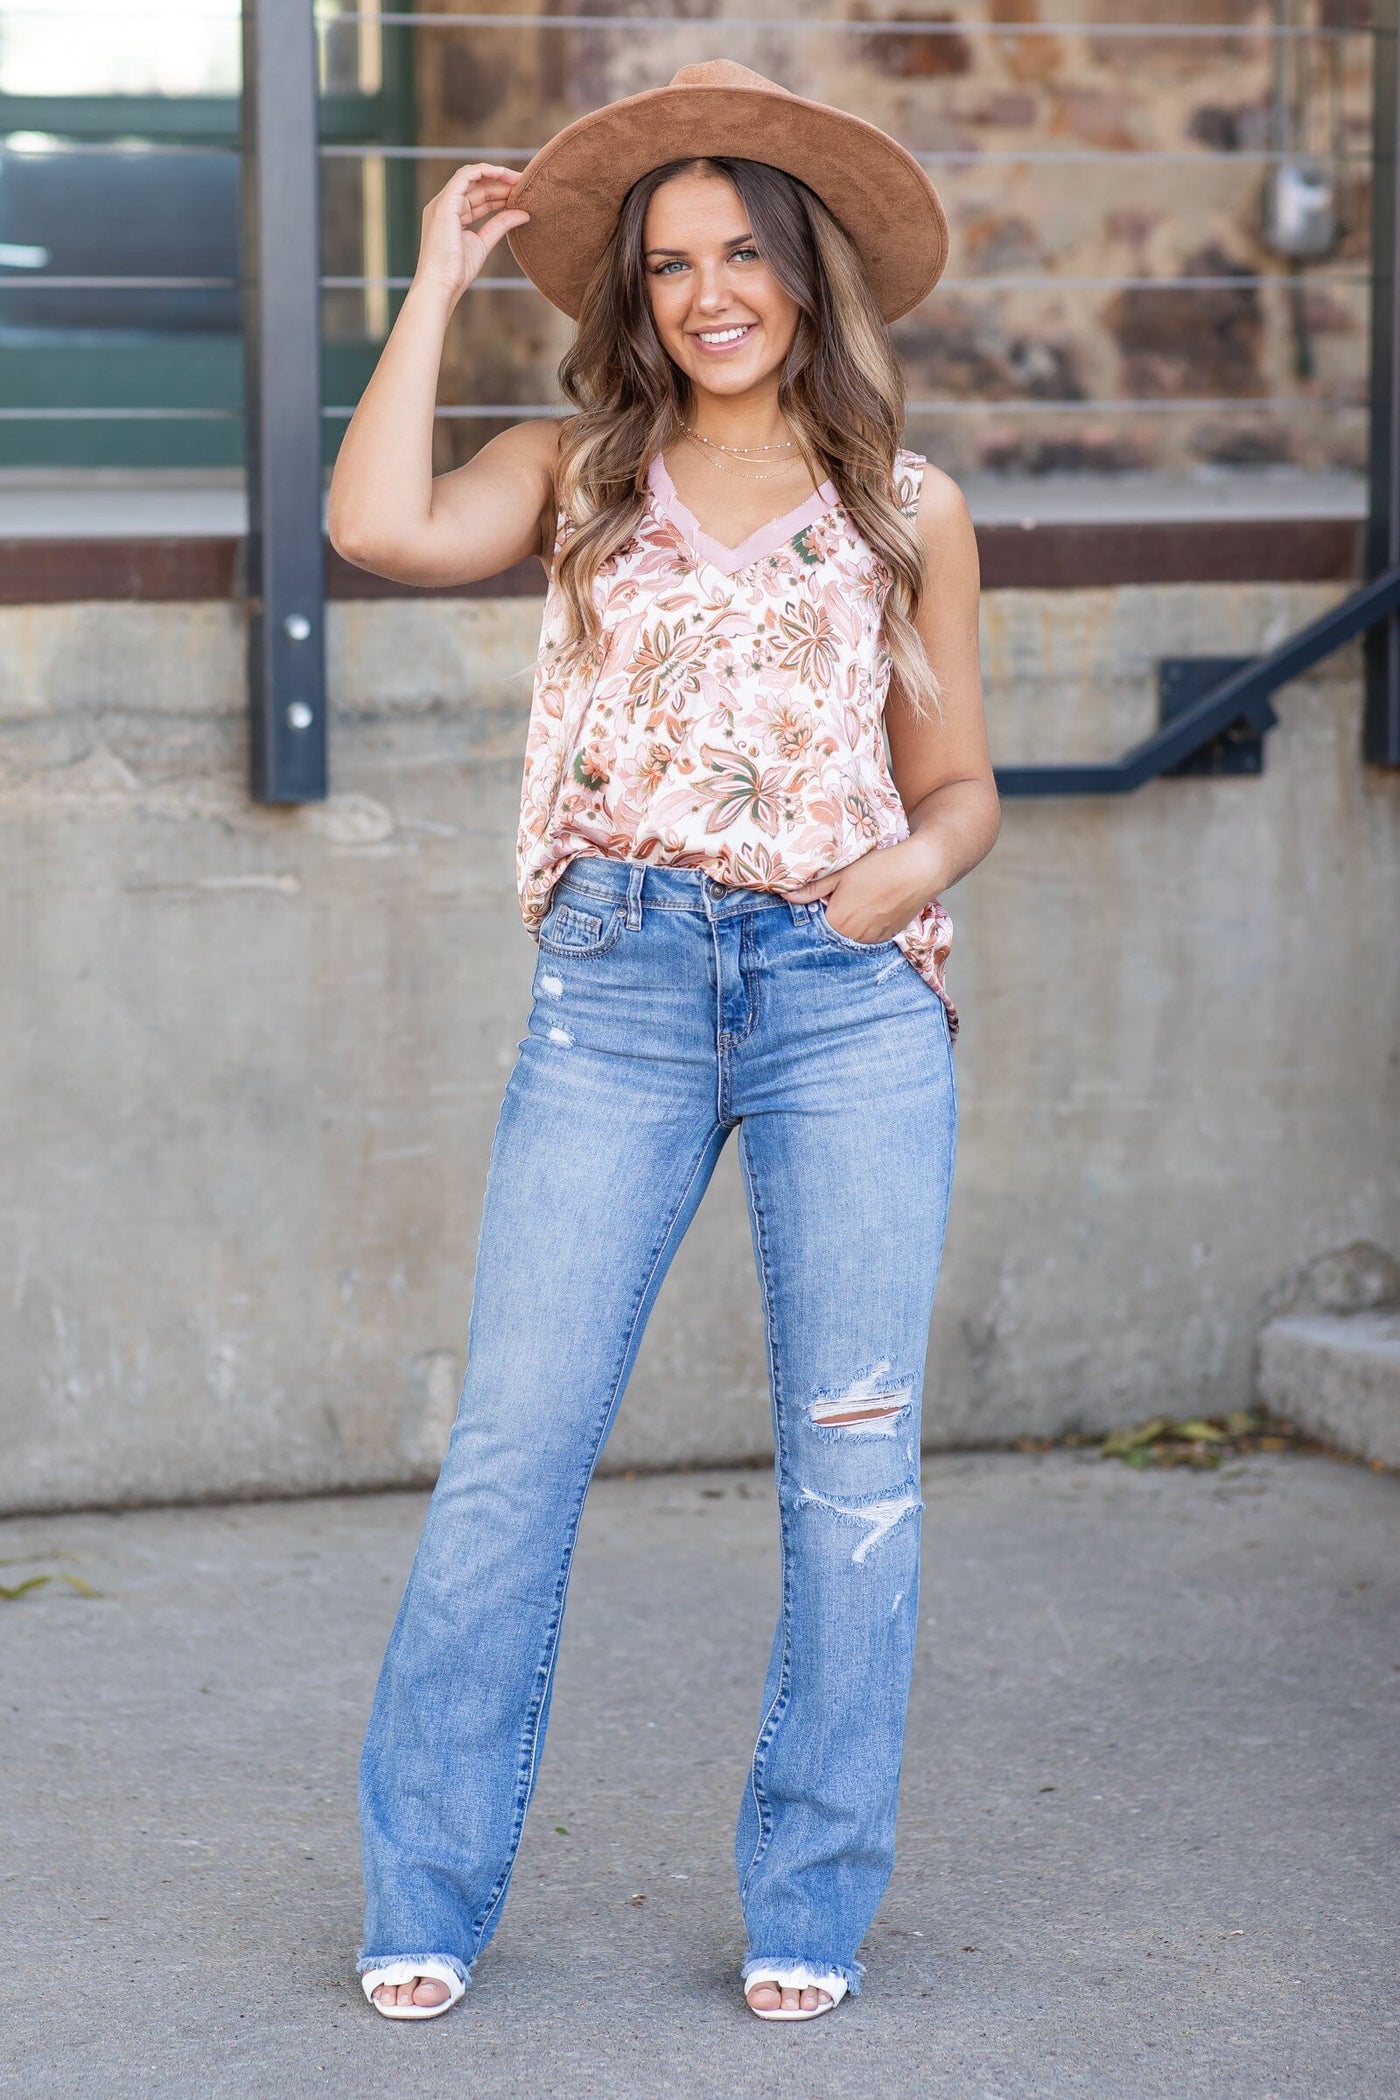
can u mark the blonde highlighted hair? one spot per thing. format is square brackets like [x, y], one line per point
[840, 391]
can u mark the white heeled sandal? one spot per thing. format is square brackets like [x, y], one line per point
[797, 1978]
[399, 1972]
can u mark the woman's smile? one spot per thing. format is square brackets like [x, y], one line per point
[715, 341]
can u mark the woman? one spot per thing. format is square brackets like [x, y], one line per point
[735, 897]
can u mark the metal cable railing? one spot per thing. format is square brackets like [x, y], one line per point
[1293, 279]
[893, 25]
[283, 292]
[383, 18]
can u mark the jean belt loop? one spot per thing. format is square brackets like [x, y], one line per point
[635, 880]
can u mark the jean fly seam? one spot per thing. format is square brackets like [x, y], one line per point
[749, 980]
[529, 1741]
[769, 1724]
[722, 1072]
[752, 976]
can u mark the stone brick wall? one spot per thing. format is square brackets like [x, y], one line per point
[1058, 344]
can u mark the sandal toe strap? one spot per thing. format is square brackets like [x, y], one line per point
[796, 1976]
[400, 1972]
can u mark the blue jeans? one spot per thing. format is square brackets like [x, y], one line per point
[669, 1010]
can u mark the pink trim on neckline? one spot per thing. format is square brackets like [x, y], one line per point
[769, 539]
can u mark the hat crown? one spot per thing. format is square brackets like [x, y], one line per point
[575, 186]
[724, 73]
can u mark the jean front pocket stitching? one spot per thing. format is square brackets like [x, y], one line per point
[843, 940]
[598, 935]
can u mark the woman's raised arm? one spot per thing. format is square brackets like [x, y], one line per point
[386, 511]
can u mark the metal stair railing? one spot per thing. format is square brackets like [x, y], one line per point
[1244, 697]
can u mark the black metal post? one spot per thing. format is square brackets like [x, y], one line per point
[285, 578]
[1382, 721]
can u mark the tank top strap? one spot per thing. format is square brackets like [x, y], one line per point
[561, 527]
[908, 480]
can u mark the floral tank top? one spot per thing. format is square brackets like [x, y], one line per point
[731, 721]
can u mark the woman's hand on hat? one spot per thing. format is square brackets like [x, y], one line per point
[463, 223]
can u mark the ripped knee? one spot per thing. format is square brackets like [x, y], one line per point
[861, 1462]
[869, 1406]
[873, 1520]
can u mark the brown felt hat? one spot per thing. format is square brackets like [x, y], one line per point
[574, 186]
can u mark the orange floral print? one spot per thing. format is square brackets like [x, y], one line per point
[733, 721]
[789, 730]
[809, 644]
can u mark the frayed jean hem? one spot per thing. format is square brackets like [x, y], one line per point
[849, 1972]
[366, 1962]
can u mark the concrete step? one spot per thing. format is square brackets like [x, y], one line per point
[1337, 1375]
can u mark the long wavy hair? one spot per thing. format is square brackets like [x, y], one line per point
[840, 391]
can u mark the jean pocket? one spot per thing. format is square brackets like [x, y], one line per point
[843, 940]
[570, 929]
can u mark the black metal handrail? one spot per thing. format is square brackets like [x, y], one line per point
[1243, 697]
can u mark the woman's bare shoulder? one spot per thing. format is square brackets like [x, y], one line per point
[943, 520]
[925, 492]
[942, 503]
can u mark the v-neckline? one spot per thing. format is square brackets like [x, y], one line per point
[769, 539]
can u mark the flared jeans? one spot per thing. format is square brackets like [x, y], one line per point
[668, 1011]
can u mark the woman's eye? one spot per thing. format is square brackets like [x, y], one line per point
[744, 254]
[665, 269]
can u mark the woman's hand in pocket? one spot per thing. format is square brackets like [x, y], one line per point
[872, 899]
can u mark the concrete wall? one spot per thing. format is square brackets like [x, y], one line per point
[253, 1057]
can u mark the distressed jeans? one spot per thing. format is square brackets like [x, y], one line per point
[668, 1011]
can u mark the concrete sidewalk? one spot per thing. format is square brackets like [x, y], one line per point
[1147, 1840]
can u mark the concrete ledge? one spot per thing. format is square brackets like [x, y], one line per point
[1032, 554]
[1338, 1375]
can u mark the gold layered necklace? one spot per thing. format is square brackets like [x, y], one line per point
[778, 444]
[768, 470]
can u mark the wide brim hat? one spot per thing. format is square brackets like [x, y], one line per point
[574, 186]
